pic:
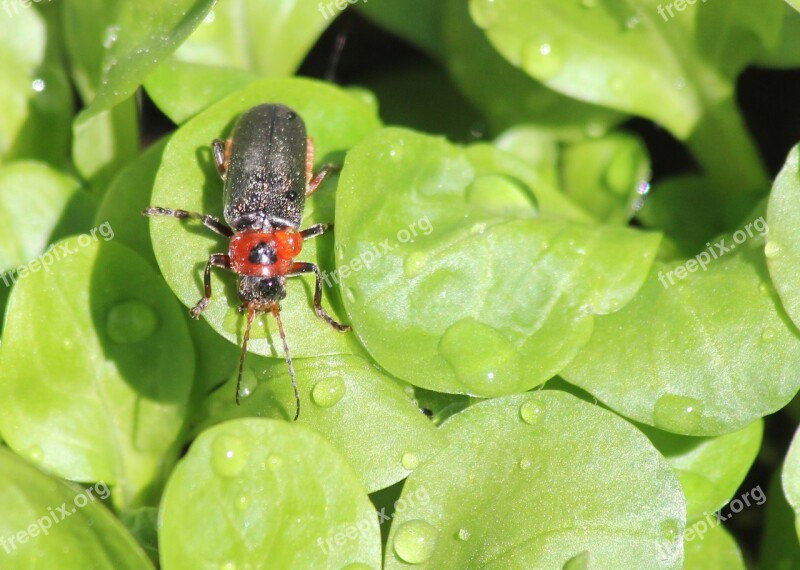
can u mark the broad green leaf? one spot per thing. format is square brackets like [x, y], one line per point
[710, 469]
[787, 54]
[345, 399]
[783, 243]
[455, 283]
[780, 547]
[35, 96]
[38, 205]
[715, 550]
[95, 380]
[181, 90]
[105, 142]
[606, 176]
[791, 479]
[506, 95]
[127, 195]
[683, 355]
[794, 4]
[520, 487]
[537, 147]
[263, 494]
[113, 46]
[188, 179]
[45, 522]
[674, 66]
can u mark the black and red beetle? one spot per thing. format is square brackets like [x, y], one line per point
[267, 169]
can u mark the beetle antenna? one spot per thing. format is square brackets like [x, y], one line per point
[333, 64]
[276, 312]
[251, 313]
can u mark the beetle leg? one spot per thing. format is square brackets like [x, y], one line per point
[216, 260]
[210, 222]
[315, 230]
[299, 269]
[222, 155]
[320, 177]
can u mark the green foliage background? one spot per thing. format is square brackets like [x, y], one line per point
[541, 374]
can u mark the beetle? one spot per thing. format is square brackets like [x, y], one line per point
[267, 170]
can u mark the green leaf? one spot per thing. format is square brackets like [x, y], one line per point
[455, 284]
[181, 90]
[683, 354]
[127, 195]
[715, 550]
[787, 54]
[114, 46]
[36, 532]
[605, 176]
[677, 69]
[256, 491]
[780, 547]
[96, 379]
[188, 179]
[783, 243]
[35, 95]
[506, 95]
[791, 479]
[519, 486]
[38, 205]
[105, 142]
[345, 399]
[794, 4]
[710, 469]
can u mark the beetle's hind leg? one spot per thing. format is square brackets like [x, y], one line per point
[299, 269]
[314, 181]
[222, 155]
[208, 221]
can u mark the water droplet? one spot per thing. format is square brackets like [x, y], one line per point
[328, 392]
[464, 534]
[415, 541]
[242, 502]
[274, 461]
[772, 250]
[768, 335]
[531, 412]
[350, 293]
[130, 322]
[483, 360]
[484, 13]
[542, 59]
[415, 263]
[228, 455]
[249, 383]
[410, 461]
[679, 83]
[478, 228]
[38, 85]
[525, 463]
[396, 153]
[765, 289]
[35, 454]
[678, 414]
[210, 17]
[500, 195]
[670, 529]
[110, 36]
[409, 390]
[633, 22]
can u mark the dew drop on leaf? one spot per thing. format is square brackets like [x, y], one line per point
[130, 322]
[768, 335]
[464, 534]
[525, 463]
[483, 360]
[772, 250]
[415, 263]
[542, 60]
[415, 541]
[242, 502]
[531, 412]
[35, 454]
[328, 392]
[228, 455]
[679, 414]
[484, 13]
[409, 460]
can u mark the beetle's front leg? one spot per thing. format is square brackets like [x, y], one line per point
[315, 230]
[208, 221]
[216, 260]
[299, 269]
